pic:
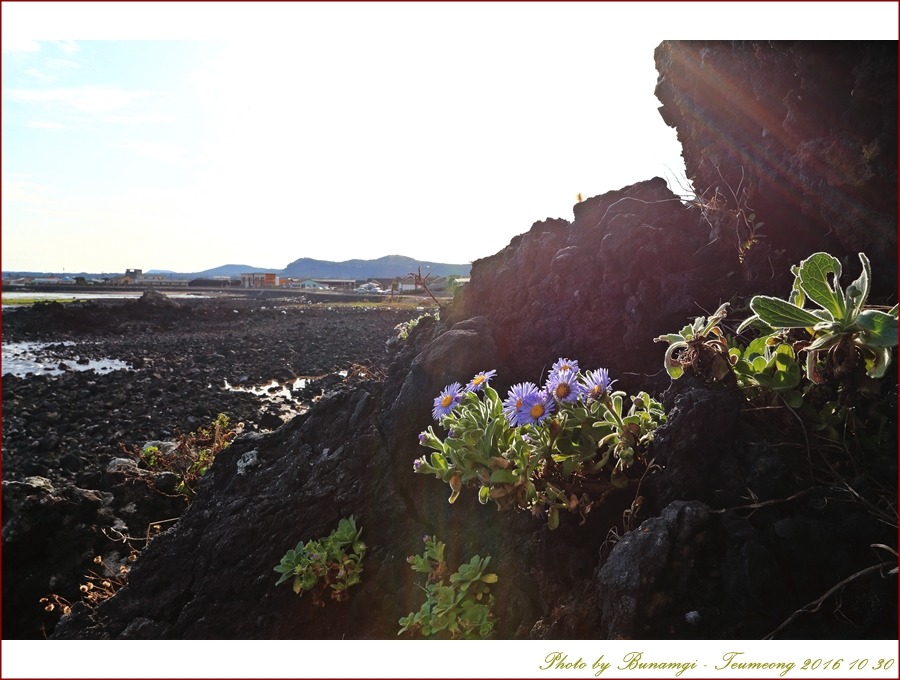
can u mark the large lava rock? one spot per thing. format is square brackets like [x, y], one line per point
[808, 129]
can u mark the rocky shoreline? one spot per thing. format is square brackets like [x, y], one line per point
[69, 439]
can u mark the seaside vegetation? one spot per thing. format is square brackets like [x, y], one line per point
[191, 455]
[458, 605]
[332, 563]
[25, 301]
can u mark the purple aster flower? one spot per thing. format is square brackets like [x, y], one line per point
[417, 464]
[565, 365]
[447, 400]
[480, 380]
[597, 384]
[515, 400]
[564, 387]
[422, 437]
[535, 408]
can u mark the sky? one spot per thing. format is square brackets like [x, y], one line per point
[185, 136]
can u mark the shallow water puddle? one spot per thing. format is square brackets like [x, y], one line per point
[22, 358]
[274, 389]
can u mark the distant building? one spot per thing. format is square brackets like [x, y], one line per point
[211, 282]
[137, 276]
[53, 280]
[337, 284]
[259, 280]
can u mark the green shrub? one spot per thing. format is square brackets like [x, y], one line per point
[192, 454]
[334, 563]
[458, 607]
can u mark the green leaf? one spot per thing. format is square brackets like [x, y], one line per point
[669, 337]
[793, 399]
[618, 478]
[674, 368]
[858, 291]
[484, 495]
[755, 322]
[879, 328]
[823, 342]
[881, 359]
[553, 518]
[814, 273]
[504, 477]
[779, 313]
[784, 356]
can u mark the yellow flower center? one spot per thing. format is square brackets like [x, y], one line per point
[447, 400]
[562, 390]
[519, 403]
[537, 411]
[477, 380]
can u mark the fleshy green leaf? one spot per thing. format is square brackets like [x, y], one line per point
[779, 313]
[814, 273]
[879, 328]
[858, 291]
[793, 398]
[882, 357]
[553, 518]
[504, 477]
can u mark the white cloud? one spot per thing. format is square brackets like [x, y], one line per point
[138, 118]
[39, 75]
[60, 64]
[67, 46]
[46, 125]
[21, 190]
[84, 99]
[168, 153]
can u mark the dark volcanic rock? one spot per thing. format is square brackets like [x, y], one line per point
[735, 525]
[808, 129]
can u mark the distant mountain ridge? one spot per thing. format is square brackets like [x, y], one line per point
[385, 267]
[388, 266]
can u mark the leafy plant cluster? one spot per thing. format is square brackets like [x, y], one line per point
[815, 352]
[458, 606]
[559, 447]
[192, 454]
[405, 328]
[332, 563]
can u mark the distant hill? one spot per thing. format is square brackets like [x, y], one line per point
[383, 267]
[233, 271]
